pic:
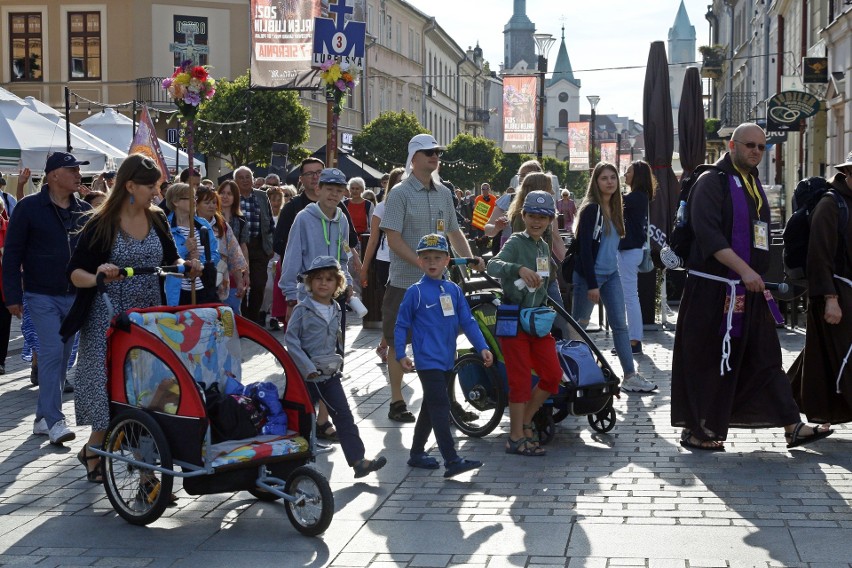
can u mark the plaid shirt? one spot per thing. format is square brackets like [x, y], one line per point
[414, 210]
[251, 210]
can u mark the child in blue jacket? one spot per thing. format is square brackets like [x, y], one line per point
[432, 311]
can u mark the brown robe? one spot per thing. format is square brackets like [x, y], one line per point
[814, 373]
[755, 393]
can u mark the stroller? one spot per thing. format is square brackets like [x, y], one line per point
[479, 394]
[157, 361]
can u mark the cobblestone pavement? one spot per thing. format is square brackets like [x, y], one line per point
[632, 497]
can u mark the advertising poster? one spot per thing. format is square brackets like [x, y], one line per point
[609, 152]
[623, 162]
[282, 40]
[519, 114]
[578, 146]
[146, 143]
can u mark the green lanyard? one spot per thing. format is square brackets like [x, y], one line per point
[328, 239]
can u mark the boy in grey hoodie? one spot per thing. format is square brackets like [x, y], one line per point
[314, 341]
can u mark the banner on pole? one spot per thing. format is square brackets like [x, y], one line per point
[578, 146]
[609, 152]
[519, 114]
[623, 163]
[146, 143]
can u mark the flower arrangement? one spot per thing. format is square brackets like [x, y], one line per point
[339, 80]
[189, 86]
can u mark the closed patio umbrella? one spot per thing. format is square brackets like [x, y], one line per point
[690, 122]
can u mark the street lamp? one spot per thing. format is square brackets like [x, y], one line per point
[543, 43]
[593, 159]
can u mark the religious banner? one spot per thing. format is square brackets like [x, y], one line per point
[609, 152]
[519, 114]
[578, 146]
[190, 39]
[146, 143]
[282, 36]
[623, 162]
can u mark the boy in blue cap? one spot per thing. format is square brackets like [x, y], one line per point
[428, 310]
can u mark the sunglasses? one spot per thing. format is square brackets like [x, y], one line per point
[432, 152]
[146, 163]
[752, 145]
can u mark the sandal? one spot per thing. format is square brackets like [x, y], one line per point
[691, 442]
[382, 352]
[93, 475]
[399, 412]
[462, 414]
[324, 434]
[423, 461]
[366, 467]
[534, 437]
[524, 447]
[819, 431]
[461, 465]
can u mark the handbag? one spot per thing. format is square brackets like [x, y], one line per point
[537, 321]
[647, 264]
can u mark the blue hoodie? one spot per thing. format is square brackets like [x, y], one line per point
[172, 284]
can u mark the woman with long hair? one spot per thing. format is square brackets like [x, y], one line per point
[232, 263]
[229, 205]
[127, 230]
[642, 184]
[600, 227]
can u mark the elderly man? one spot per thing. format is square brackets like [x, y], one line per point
[418, 206]
[42, 234]
[726, 366]
[272, 180]
[258, 214]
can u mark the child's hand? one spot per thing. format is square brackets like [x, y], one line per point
[530, 277]
[487, 357]
[406, 364]
[594, 295]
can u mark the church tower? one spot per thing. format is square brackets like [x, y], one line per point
[518, 45]
[681, 52]
[562, 93]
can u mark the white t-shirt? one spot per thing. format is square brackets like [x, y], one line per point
[327, 310]
[383, 251]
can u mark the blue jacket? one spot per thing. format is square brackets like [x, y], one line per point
[172, 284]
[433, 335]
[635, 221]
[40, 242]
[589, 232]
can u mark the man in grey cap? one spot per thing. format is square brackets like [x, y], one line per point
[42, 234]
[418, 206]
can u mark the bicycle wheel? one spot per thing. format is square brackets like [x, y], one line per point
[477, 396]
[138, 494]
[313, 516]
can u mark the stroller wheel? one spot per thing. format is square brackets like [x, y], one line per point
[545, 425]
[603, 421]
[314, 514]
[477, 397]
[138, 494]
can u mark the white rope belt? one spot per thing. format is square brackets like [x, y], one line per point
[849, 351]
[726, 341]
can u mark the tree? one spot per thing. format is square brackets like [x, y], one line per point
[384, 141]
[470, 160]
[509, 164]
[273, 116]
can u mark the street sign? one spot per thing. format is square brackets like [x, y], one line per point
[787, 108]
[339, 39]
[172, 136]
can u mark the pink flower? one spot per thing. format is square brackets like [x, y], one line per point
[341, 86]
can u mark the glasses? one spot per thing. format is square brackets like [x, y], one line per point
[752, 145]
[311, 174]
[433, 152]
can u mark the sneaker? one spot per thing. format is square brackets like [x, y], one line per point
[60, 433]
[274, 324]
[462, 414]
[68, 387]
[637, 383]
[2, 369]
[34, 375]
[322, 448]
[40, 428]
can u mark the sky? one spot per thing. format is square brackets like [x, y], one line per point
[599, 34]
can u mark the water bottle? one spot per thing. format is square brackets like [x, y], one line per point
[680, 219]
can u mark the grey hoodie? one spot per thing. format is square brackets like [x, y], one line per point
[311, 341]
[312, 235]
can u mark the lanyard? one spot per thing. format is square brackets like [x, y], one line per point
[328, 239]
[751, 186]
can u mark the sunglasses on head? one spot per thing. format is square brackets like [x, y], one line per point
[752, 145]
[432, 152]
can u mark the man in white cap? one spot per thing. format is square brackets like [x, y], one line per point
[418, 206]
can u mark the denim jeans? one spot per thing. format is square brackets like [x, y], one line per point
[330, 391]
[628, 268]
[233, 301]
[555, 296]
[434, 415]
[47, 313]
[612, 299]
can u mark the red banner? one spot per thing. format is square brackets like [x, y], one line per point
[519, 114]
[623, 163]
[609, 152]
[578, 146]
[146, 143]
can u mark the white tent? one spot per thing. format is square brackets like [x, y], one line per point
[117, 129]
[56, 117]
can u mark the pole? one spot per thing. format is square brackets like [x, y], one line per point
[191, 178]
[542, 69]
[593, 158]
[134, 118]
[67, 120]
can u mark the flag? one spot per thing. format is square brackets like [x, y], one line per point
[146, 143]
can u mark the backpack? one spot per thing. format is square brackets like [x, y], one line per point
[797, 232]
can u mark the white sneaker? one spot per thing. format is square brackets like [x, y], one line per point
[637, 383]
[40, 428]
[60, 433]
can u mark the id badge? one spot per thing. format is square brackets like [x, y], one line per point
[760, 235]
[542, 266]
[447, 305]
[439, 226]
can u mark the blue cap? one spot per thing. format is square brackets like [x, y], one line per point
[62, 160]
[321, 263]
[540, 203]
[433, 241]
[332, 175]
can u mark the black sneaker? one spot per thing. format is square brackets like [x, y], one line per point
[34, 375]
[2, 369]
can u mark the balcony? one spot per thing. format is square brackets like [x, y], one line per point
[150, 91]
[474, 114]
[736, 109]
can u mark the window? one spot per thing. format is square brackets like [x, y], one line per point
[25, 47]
[84, 37]
[563, 118]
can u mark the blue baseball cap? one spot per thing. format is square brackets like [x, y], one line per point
[321, 263]
[539, 203]
[433, 241]
[332, 175]
[62, 160]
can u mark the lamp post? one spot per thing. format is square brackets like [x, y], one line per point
[593, 159]
[543, 43]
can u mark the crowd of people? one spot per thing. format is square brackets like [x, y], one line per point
[292, 259]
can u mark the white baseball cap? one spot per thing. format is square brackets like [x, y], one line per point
[418, 143]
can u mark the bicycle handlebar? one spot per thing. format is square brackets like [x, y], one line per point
[129, 272]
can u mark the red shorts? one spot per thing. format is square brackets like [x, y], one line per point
[526, 353]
